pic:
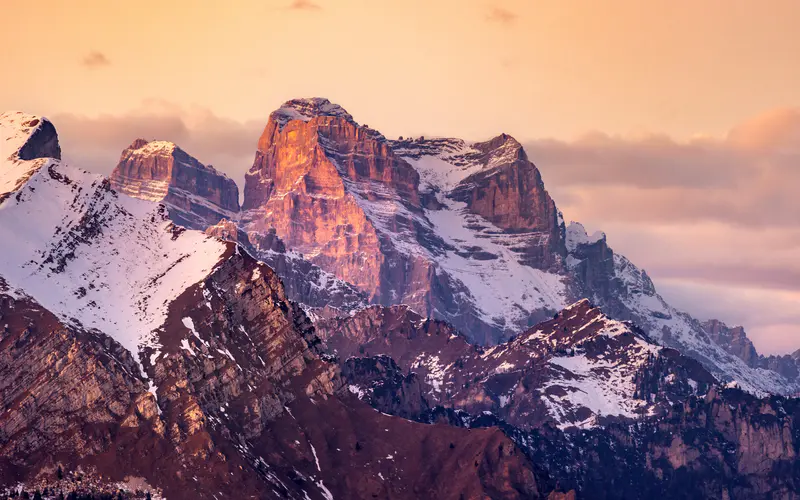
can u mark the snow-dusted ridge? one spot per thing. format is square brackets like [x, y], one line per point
[94, 258]
[576, 235]
[504, 289]
[307, 108]
[475, 252]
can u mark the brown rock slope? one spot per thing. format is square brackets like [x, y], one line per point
[244, 406]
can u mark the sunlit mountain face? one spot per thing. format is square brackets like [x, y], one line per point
[456, 250]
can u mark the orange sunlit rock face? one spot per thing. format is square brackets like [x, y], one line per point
[303, 181]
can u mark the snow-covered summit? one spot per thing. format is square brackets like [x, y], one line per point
[307, 108]
[576, 235]
[24, 138]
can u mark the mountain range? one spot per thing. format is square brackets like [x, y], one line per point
[378, 318]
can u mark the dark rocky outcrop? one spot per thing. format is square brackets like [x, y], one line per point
[234, 399]
[734, 340]
[43, 142]
[724, 445]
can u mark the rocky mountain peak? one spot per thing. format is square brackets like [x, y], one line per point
[197, 195]
[306, 109]
[734, 340]
[576, 235]
[314, 173]
[501, 149]
[137, 144]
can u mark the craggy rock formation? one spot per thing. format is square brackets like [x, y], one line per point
[578, 369]
[726, 444]
[299, 180]
[238, 403]
[389, 389]
[734, 340]
[710, 443]
[627, 293]
[43, 142]
[336, 192]
[26, 144]
[189, 370]
[348, 218]
[509, 193]
[197, 195]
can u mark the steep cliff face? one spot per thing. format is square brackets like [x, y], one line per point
[339, 193]
[197, 195]
[508, 192]
[26, 144]
[297, 186]
[335, 192]
[732, 339]
[320, 293]
[49, 373]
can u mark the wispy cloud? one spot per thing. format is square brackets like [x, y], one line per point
[500, 15]
[304, 5]
[95, 59]
[748, 179]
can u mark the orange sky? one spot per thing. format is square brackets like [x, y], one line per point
[686, 110]
[466, 68]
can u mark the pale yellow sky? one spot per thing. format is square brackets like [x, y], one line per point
[673, 125]
[470, 68]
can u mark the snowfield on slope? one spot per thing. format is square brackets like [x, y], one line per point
[95, 258]
[503, 290]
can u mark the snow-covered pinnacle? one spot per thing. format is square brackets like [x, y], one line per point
[501, 150]
[26, 141]
[306, 109]
[27, 137]
[577, 235]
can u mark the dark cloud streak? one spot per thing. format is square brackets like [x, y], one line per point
[304, 5]
[500, 15]
[94, 60]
